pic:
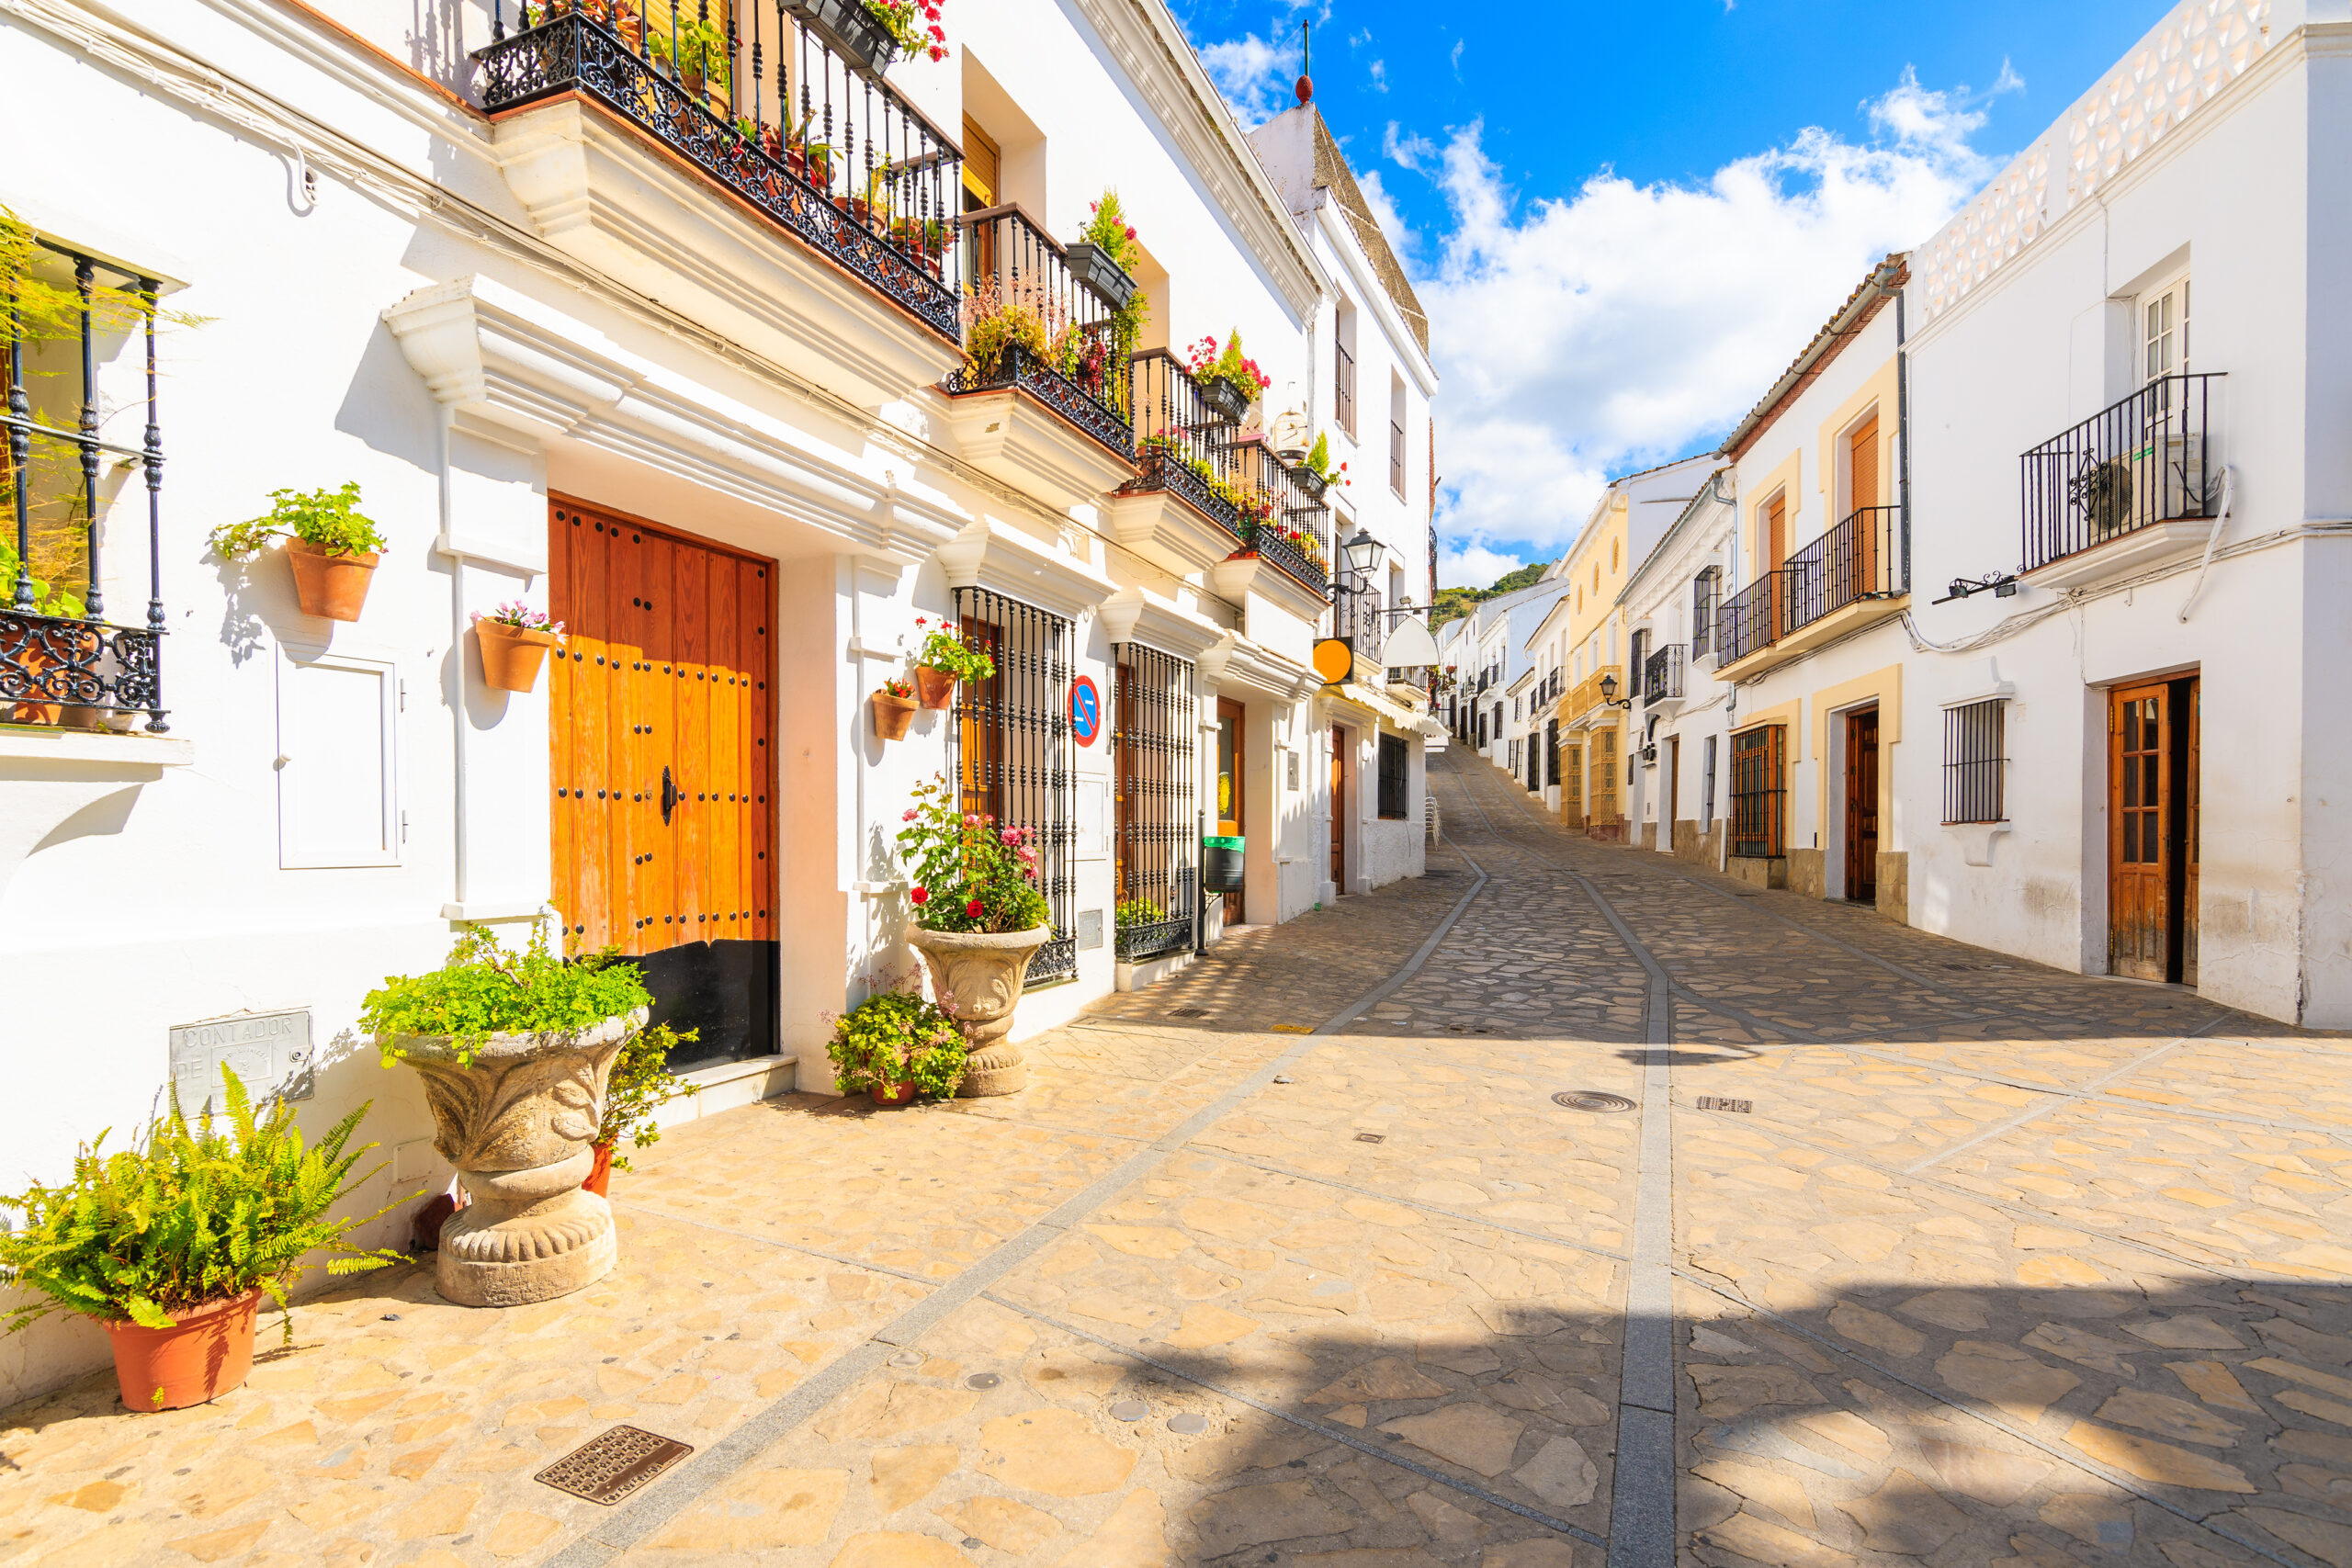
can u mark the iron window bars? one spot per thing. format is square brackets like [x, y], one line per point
[1758, 792]
[1011, 265]
[1156, 717]
[1181, 445]
[1009, 749]
[1396, 457]
[1551, 751]
[1662, 676]
[1705, 588]
[2151, 457]
[1395, 777]
[1343, 387]
[809, 136]
[1707, 783]
[1974, 762]
[1283, 520]
[57, 661]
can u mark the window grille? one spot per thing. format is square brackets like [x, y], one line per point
[1974, 758]
[1707, 783]
[1343, 389]
[1009, 749]
[1758, 792]
[1704, 590]
[1551, 751]
[1392, 789]
[1156, 718]
[57, 649]
[1636, 662]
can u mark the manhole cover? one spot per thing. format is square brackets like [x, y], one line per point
[982, 1381]
[1712, 1102]
[1590, 1099]
[1188, 1424]
[609, 1467]
[1188, 1012]
[1371, 1137]
[1130, 1410]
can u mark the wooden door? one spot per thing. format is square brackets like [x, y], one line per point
[1572, 786]
[1861, 468]
[1665, 799]
[1861, 806]
[2140, 788]
[1339, 808]
[1228, 788]
[2190, 695]
[1604, 776]
[658, 736]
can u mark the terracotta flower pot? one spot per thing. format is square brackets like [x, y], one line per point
[936, 688]
[329, 587]
[600, 1174]
[892, 1094]
[983, 972]
[510, 655]
[892, 714]
[207, 1351]
[519, 1122]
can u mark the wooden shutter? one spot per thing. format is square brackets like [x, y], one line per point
[983, 165]
[1862, 466]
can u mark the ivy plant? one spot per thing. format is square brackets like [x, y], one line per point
[484, 989]
[324, 519]
[895, 1037]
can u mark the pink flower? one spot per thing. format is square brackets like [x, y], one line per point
[909, 815]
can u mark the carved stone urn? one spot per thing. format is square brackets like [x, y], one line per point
[519, 1122]
[979, 974]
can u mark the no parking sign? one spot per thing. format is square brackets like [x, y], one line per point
[1085, 710]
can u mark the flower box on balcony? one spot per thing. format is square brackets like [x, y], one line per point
[1313, 483]
[1224, 402]
[1099, 276]
[850, 28]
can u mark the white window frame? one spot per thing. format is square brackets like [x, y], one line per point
[2175, 291]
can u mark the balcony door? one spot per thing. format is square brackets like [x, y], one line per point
[1774, 549]
[2153, 831]
[1862, 491]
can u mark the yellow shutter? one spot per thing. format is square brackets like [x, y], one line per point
[983, 165]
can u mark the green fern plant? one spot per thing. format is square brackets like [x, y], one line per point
[191, 1215]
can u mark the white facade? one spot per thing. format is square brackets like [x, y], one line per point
[485, 321]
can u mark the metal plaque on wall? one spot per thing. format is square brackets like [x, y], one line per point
[269, 1052]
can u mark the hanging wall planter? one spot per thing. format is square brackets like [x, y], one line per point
[1223, 401]
[512, 652]
[1101, 276]
[893, 712]
[850, 27]
[331, 547]
[332, 587]
[935, 688]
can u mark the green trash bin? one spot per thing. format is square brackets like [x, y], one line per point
[1221, 863]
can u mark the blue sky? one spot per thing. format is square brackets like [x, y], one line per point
[1625, 219]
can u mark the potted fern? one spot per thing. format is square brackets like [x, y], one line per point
[947, 657]
[332, 548]
[514, 1049]
[897, 1047]
[171, 1244]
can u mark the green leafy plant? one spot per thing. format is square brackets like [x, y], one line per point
[191, 1215]
[1136, 912]
[701, 48]
[1207, 364]
[325, 519]
[1319, 462]
[641, 1083]
[47, 600]
[998, 321]
[484, 989]
[895, 1037]
[1107, 226]
[943, 649]
[969, 874]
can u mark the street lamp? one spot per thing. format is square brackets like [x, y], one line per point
[1608, 694]
[1362, 550]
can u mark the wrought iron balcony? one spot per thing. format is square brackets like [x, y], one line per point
[1662, 676]
[808, 133]
[1181, 446]
[1862, 557]
[1747, 620]
[1282, 519]
[1030, 324]
[2152, 458]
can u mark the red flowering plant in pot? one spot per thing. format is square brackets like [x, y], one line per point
[947, 656]
[980, 918]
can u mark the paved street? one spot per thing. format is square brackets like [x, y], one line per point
[1904, 1254]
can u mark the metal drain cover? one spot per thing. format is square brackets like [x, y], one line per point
[610, 1466]
[1590, 1099]
[1371, 1137]
[1717, 1102]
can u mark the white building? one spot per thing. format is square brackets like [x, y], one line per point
[1677, 801]
[705, 398]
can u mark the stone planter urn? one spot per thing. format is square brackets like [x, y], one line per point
[519, 1122]
[980, 973]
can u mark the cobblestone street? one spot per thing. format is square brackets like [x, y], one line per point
[1902, 1254]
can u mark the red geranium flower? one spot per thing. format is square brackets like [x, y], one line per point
[973, 908]
[920, 895]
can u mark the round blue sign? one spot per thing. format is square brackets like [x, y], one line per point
[1085, 710]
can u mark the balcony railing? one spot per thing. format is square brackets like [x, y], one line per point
[1181, 445]
[1860, 558]
[1029, 324]
[1662, 674]
[2151, 459]
[1282, 520]
[1584, 695]
[1746, 621]
[809, 136]
[1359, 619]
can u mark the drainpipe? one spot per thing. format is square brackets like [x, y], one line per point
[1902, 429]
[456, 669]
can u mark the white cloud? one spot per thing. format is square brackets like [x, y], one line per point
[1407, 150]
[1250, 72]
[1623, 325]
[1473, 565]
[1379, 74]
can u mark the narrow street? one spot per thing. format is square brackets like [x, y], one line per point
[1898, 1253]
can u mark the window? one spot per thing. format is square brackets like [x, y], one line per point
[2164, 332]
[1392, 777]
[1511, 755]
[1616, 554]
[1972, 762]
[1704, 588]
[1551, 751]
[1637, 651]
[1758, 794]
[1397, 433]
[1707, 781]
[1343, 370]
[1514, 708]
[1009, 749]
[1155, 720]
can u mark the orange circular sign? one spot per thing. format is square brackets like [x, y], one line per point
[1334, 659]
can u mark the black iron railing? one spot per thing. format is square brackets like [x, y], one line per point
[1748, 621]
[2153, 457]
[1862, 557]
[1181, 445]
[1029, 324]
[1662, 674]
[809, 134]
[1758, 792]
[1154, 717]
[1282, 519]
[1009, 748]
[60, 658]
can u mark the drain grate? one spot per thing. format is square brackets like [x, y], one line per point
[1713, 1102]
[610, 1466]
[1188, 1012]
[1591, 1099]
[1371, 1137]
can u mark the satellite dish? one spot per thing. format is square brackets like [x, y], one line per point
[1409, 646]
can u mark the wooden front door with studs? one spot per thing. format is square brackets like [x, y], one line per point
[658, 736]
[2153, 831]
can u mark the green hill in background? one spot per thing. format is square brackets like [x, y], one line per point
[1453, 603]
